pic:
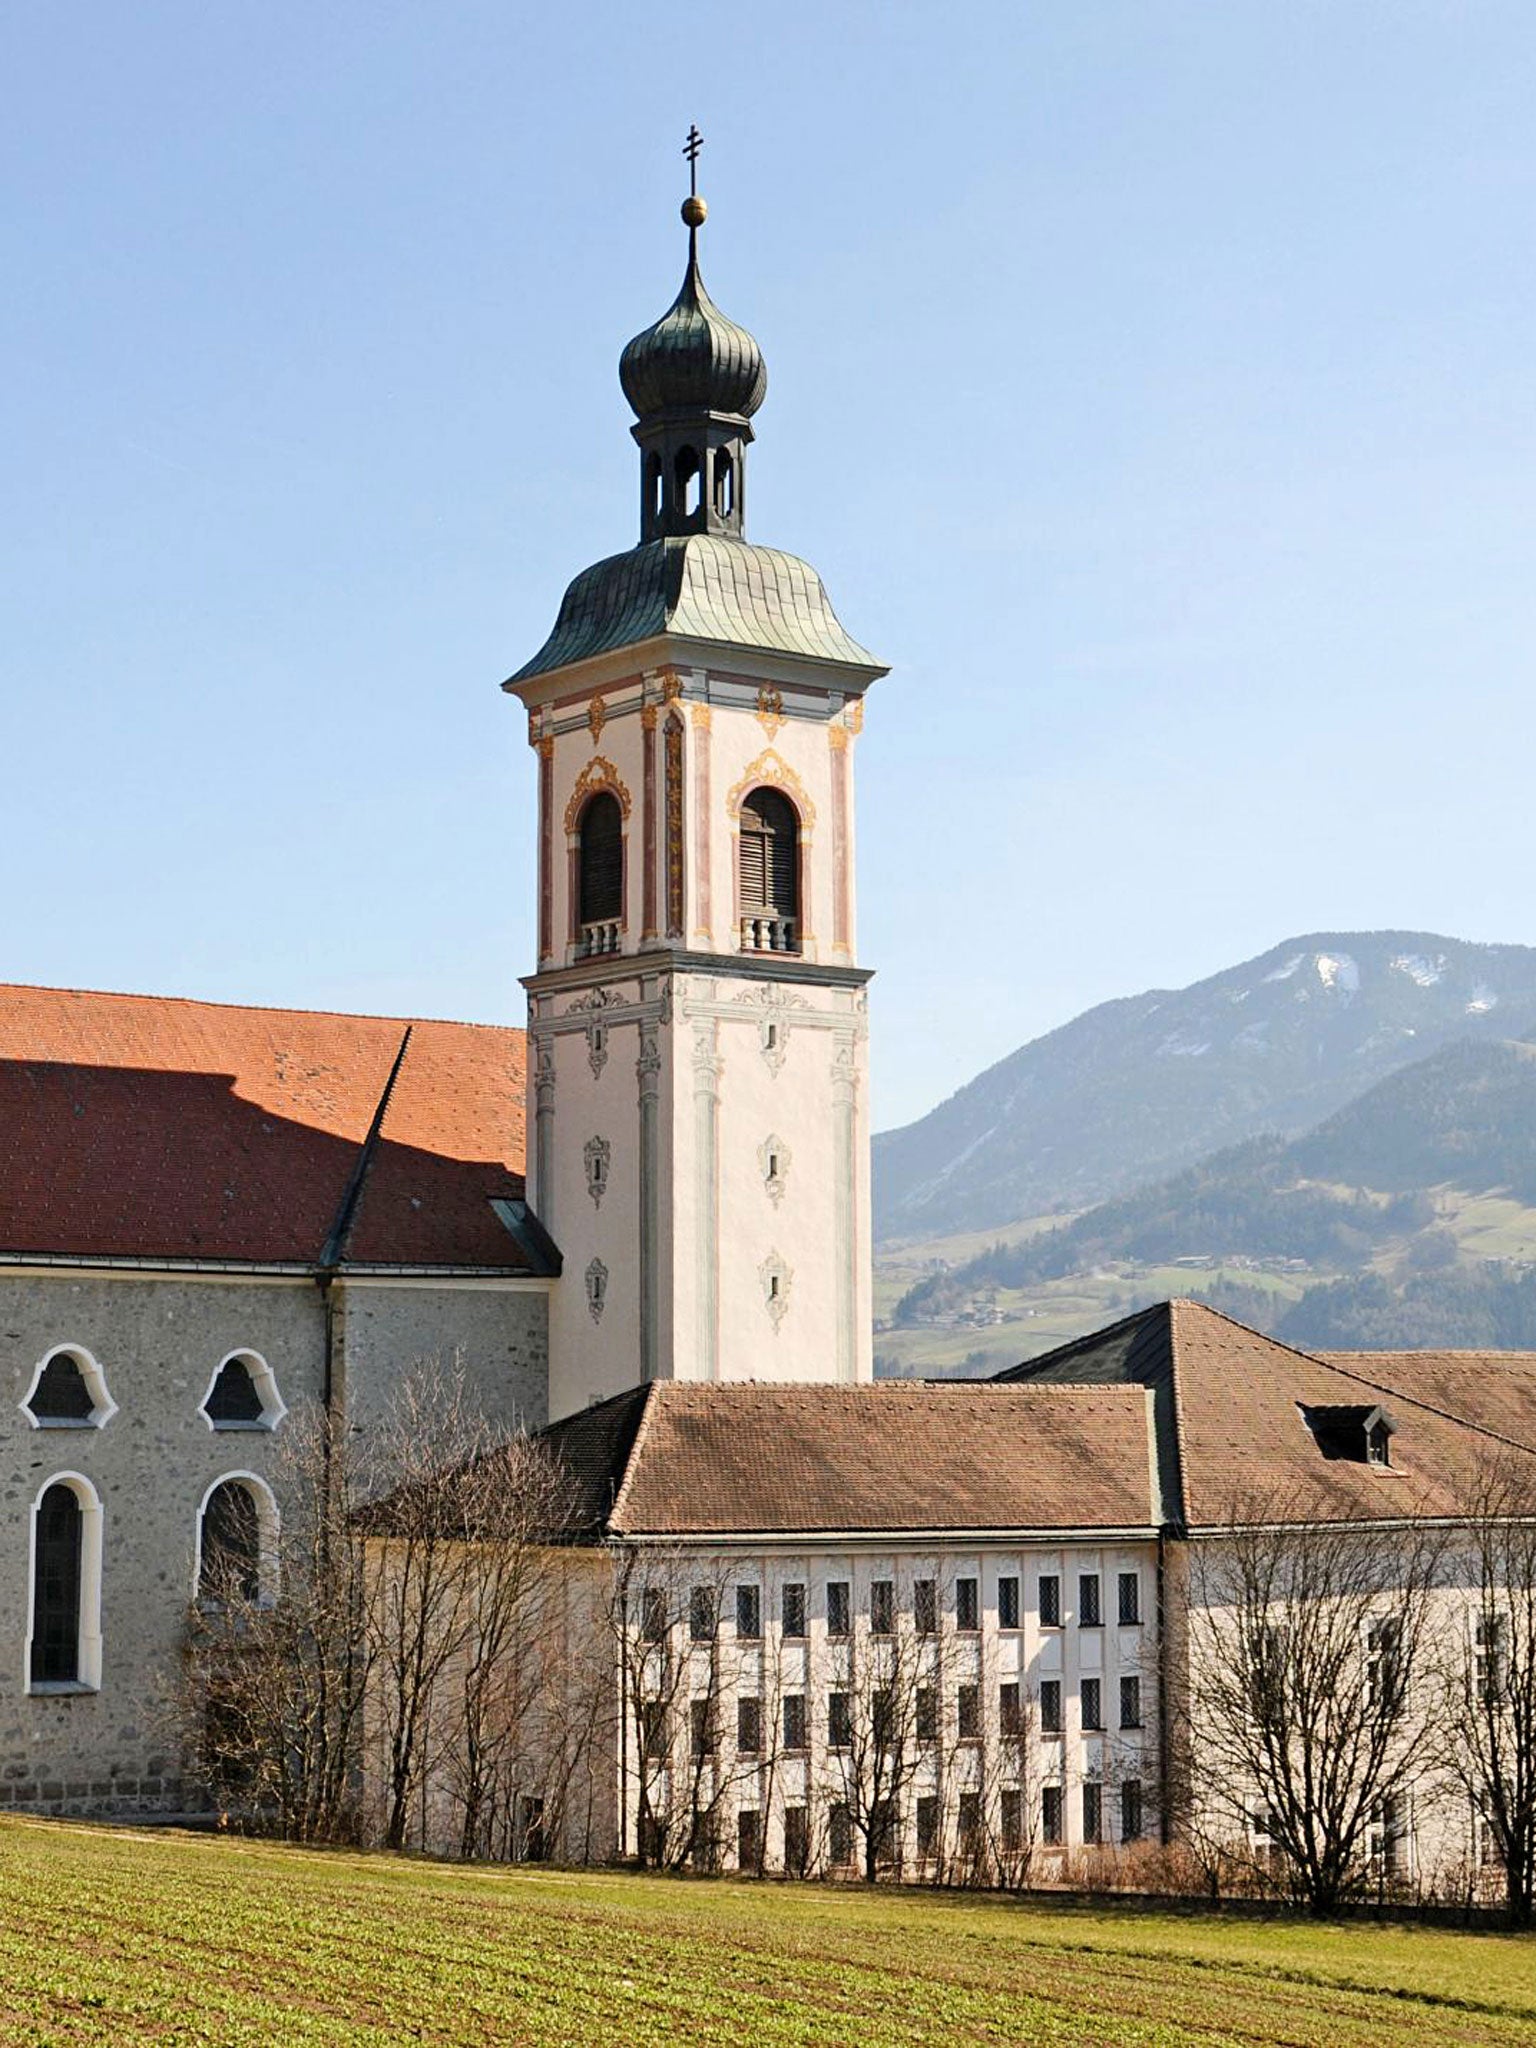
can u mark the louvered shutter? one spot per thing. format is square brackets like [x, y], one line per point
[602, 860]
[770, 855]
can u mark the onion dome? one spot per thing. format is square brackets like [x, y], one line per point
[693, 359]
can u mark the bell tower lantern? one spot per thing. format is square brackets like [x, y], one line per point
[698, 1112]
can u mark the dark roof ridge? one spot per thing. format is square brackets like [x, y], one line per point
[351, 1194]
[1453, 1353]
[1089, 1337]
[1513, 1443]
[636, 1444]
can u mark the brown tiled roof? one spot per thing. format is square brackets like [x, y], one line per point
[151, 1127]
[1493, 1390]
[1232, 1438]
[687, 1459]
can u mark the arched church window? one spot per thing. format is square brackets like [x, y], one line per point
[600, 880]
[68, 1391]
[770, 874]
[230, 1545]
[243, 1394]
[65, 1642]
[689, 479]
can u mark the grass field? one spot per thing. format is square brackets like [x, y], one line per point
[111, 1936]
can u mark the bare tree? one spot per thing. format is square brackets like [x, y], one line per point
[1304, 1709]
[879, 1682]
[1483, 1675]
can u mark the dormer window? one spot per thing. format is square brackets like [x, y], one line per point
[1356, 1435]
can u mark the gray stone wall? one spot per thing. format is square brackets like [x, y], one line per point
[159, 1340]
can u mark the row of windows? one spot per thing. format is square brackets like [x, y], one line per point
[843, 1837]
[768, 870]
[704, 1607]
[69, 1391]
[236, 1544]
[886, 1716]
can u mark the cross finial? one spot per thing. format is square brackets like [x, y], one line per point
[691, 150]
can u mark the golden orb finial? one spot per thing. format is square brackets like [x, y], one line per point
[695, 212]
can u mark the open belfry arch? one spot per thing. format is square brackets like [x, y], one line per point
[697, 1006]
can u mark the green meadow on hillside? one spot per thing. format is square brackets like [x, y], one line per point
[114, 1937]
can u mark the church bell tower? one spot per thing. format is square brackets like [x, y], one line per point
[698, 1098]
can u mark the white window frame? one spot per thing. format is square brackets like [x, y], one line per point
[104, 1407]
[88, 1654]
[269, 1525]
[263, 1379]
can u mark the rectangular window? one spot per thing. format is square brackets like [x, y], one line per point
[1090, 1613]
[792, 1612]
[1050, 1815]
[967, 1605]
[749, 1613]
[968, 1713]
[884, 1727]
[925, 1606]
[701, 1721]
[840, 1836]
[926, 1717]
[1010, 1718]
[839, 1720]
[1012, 1817]
[927, 1828]
[749, 1839]
[653, 1615]
[837, 1607]
[1130, 1810]
[1092, 1700]
[794, 1720]
[1050, 1600]
[1008, 1603]
[1093, 1813]
[1050, 1706]
[703, 1614]
[882, 1606]
[652, 1715]
[797, 1840]
[1130, 1703]
[1130, 1599]
[970, 1823]
[749, 1726]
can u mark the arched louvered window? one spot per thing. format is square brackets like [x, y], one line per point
[601, 861]
[58, 1546]
[230, 1553]
[770, 873]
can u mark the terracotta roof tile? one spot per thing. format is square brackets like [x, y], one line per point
[746, 1457]
[153, 1127]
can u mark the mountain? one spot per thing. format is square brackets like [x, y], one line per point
[1134, 1089]
[1387, 1206]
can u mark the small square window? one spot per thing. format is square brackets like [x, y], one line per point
[1050, 1600]
[967, 1605]
[1090, 1611]
[1008, 1603]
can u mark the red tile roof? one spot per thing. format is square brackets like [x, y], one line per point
[152, 1127]
[680, 1458]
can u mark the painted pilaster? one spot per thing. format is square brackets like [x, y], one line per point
[706, 1111]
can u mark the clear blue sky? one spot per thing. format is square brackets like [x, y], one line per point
[1152, 383]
